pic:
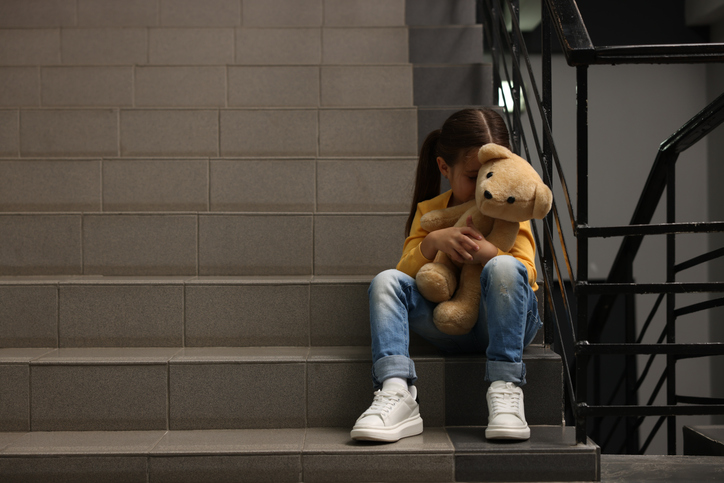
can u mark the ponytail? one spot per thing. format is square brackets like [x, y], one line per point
[427, 179]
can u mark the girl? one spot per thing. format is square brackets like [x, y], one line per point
[508, 317]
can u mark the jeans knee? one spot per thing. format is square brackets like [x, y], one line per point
[385, 282]
[504, 269]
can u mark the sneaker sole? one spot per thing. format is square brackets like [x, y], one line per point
[405, 429]
[507, 433]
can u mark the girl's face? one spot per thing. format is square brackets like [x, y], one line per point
[463, 176]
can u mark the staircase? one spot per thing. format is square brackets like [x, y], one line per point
[195, 196]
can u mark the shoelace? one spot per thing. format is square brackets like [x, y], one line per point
[383, 403]
[505, 401]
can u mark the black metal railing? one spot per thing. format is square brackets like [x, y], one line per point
[576, 323]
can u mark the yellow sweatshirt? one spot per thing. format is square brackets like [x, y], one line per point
[413, 259]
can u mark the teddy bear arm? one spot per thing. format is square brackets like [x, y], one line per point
[503, 234]
[445, 218]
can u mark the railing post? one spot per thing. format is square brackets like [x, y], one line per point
[517, 82]
[671, 304]
[547, 161]
[582, 242]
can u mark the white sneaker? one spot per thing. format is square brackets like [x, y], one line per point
[394, 414]
[506, 412]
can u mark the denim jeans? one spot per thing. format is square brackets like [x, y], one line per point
[507, 322]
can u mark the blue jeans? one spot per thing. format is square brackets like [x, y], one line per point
[507, 322]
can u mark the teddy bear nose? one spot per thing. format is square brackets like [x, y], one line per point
[511, 200]
[488, 195]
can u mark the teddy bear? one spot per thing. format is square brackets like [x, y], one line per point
[508, 191]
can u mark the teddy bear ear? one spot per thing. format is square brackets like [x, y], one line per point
[543, 201]
[493, 151]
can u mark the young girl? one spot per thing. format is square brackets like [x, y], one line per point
[508, 317]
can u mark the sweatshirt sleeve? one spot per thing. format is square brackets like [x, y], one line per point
[524, 250]
[412, 258]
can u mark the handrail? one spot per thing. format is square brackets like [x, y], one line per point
[579, 49]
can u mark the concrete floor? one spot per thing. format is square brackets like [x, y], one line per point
[670, 469]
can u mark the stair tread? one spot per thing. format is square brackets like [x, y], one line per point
[279, 441]
[163, 355]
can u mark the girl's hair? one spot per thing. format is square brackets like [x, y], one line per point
[469, 128]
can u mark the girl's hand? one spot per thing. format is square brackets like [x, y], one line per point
[459, 243]
[486, 250]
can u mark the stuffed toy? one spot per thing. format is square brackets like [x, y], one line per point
[508, 191]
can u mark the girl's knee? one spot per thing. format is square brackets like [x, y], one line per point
[386, 281]
[504, 269]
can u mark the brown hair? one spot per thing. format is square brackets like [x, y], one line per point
[461, 131]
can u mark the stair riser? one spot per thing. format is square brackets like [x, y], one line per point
[254, 394]
[203, 244]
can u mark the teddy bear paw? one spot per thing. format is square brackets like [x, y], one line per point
[454, 318]
[436, 283]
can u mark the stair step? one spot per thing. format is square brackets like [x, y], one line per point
[190, 388]
[450, 44]
[435, 12]
[705, 440]
[309, 455]
[453, 85]
[189, 244]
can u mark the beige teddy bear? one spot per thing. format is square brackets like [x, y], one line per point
[508, 191]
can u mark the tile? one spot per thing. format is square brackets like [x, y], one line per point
[94, 398]
[338, 441]
[364, 13]
[433, 12]
[109, 13]
[68, 133]
[276, 185]
[106, 356]
[340, 315]
[367, 86]
[15, 397]
[28, 316]
[40, 13]
[22, 355]
[21, 86]
[200, 13]
[367, 132]
[274, 86]
[40, 244]
[225, 468]
[81, 469]
[9, 133]
[86, 86]
[228, 396]
[330, 455]
[85, 442]
[381, 185]
[357, 244]
[8, 437]
[454, 44]
[452, 85]
[152, 316]
[337, 392]
[283, 13]
[155, 185]
[384, 45]
[29, 47]
[477, 458]
[161, 86]
[241, 354]
[273, 132]
[140, 244]
[250, 245]
[659, 468]
[104, 46]
[431, 389]
[275, 46]
[50, 185]
[345, 354]
[191, 46]
[169, 132]
[247, 315]
[238, 441]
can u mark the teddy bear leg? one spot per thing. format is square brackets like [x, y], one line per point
[437, 280]
[458, 315]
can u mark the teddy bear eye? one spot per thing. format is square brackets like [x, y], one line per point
[489, 175]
